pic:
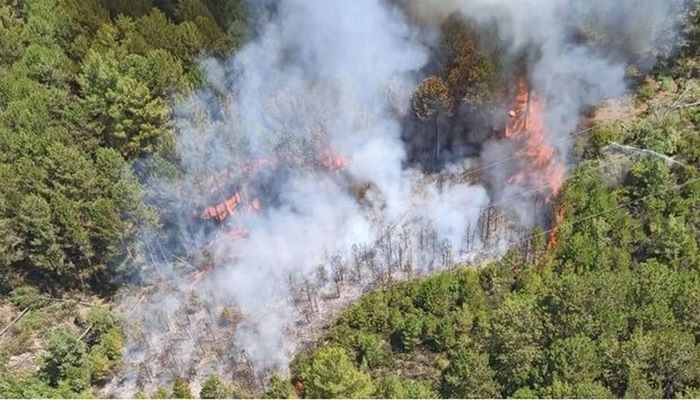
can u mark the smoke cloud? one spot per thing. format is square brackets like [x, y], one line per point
[333, 80]
[576, 54]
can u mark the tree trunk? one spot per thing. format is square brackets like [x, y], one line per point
[437, 138]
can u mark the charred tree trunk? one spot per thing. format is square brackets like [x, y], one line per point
[437, 138]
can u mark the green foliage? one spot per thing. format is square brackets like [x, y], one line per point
[104, 358]
[215, 388]
[588, 390]
[160, 393]
[46, 23]
[601, 137]
[28, 297]
[438, 295]
[181, 389]
[393, 387]
[10, 34]
[470, 71]
[574, 359]
[515, 337]
[65, 360]
[432, 98]
[331, 374]
[372, 350]
[101, 322]
[85, 88]
[26, 387]
[469, 376]
[46, 65]
[279, 388]
[131, 118]
[409, 332]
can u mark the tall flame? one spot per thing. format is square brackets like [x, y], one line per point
[527, 124]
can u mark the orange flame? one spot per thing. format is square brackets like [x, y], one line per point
[527, 124]
[558, 218]
[333, 162]
[236, 203]
[329, 160]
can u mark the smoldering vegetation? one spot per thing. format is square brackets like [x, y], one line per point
[307, 171]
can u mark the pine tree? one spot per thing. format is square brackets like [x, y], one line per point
[181, 389]
[432, 99]
[331, 374]
[215, 388]
[469, 376]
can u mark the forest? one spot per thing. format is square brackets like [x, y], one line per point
[86, 95]
[606, 303]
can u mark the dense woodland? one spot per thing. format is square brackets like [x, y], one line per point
[86, 88]
[86, 95]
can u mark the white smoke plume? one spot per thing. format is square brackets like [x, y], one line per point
[335, 77]
[330, 77]
[575, 53]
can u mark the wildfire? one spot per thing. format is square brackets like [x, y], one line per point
[558, 218]
[236, 201]
[233, 203]
[333, 162]
[527, 124]
[230, 206]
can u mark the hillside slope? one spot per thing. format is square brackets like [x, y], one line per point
[608, 309]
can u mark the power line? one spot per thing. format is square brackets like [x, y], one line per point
[545, 186]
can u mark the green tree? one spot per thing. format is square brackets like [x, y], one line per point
[372, 350]
[638, 387]
[10, 34]
[215, 388]
[574, 360]
[47, 65]
[470, 75]
[130, 118]
[181, 389]
[40, 235]
[674, 361]
[47, 23]
[86, 17]
[408, 335]
[393, 387]
[469, 376]
[331, 374]
[101, 322]
[128, 7]
[280, 388]
[66, 355]
[22, 386]
[160, 393]
[28, 297]
[438, 295]
[586, 390]
[171, 79]
[432, 99]
[137, 119]
[515, 335]
[675, 243]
